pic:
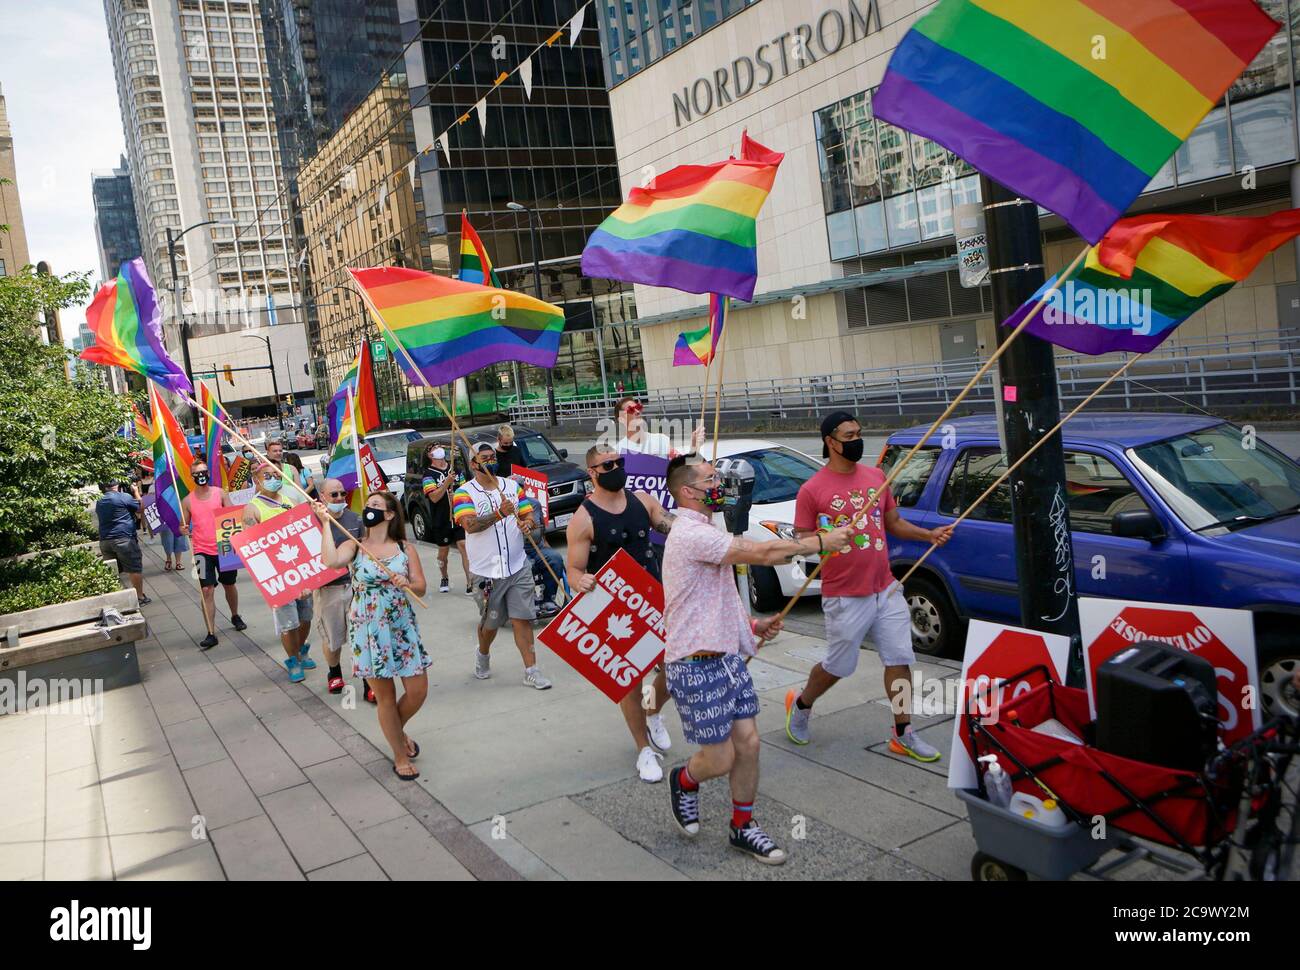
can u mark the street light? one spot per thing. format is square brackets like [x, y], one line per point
[537, 283]
[275, 385]
[172, 239]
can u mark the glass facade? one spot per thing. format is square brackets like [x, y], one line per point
[636, 33]
[116, 229]
[884, 188]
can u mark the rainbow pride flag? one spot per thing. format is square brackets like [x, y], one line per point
[692, 228]
[358, 381]
[172, 480]
[143, 427]
[214, 434]
[1075, 104]
[1148, 275]
[125, 320]
[446, 329]
[475, 267]
[698, 346]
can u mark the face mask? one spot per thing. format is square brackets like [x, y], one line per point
[438, 455]
[612, 481]
[852, 450]
[200, 478]
[372, 517]
[713, 498]
[305, 477]
[273, 485]
[337, 507]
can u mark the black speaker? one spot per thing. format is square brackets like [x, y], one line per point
[1157, 704]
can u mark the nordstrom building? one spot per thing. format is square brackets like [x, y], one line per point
[856, 252]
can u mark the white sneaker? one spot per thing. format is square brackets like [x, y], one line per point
[533, 678]
[658, 732]
[648, 767]
[482, 662]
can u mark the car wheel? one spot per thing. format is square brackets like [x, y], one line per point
[1278, 663]
[765, 590]
[420, 525]
[934, 621]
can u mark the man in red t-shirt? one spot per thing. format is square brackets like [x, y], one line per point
[859, 595]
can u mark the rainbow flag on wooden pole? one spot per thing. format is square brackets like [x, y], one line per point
[475, 266]
[1076, 104]
[693, 228]
[214, 415]
[359, 382]
[699, 346]
[125, 320]
[171, 460]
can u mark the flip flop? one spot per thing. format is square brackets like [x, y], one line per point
[405, 777]
[167, 566]
[415, 744]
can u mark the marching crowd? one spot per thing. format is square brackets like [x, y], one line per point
[844, 513]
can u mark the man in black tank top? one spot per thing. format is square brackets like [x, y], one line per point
[614, 518]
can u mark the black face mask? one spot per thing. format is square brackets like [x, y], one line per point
[852, 450]
[612, 481]
[200, 478]
[372, 517]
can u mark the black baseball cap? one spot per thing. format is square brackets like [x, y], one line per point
[830, 423]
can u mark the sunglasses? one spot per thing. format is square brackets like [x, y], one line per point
[607, 466]
[339, 494]
[633, 409]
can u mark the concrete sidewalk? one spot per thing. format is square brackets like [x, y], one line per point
[291, 781]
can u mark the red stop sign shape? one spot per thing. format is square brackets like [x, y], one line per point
[1010, 652]
[1184, 630]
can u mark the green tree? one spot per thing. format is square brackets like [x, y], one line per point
[57, 435]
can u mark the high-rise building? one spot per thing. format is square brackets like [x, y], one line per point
[201, 134]
[13, 243]
[116, 230]
[551, 152]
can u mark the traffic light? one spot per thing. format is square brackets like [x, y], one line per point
[230, 378]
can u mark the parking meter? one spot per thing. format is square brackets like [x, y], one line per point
[738, 489]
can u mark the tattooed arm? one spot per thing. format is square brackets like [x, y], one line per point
[661, 520]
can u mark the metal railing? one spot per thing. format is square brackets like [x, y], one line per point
[1244, 371]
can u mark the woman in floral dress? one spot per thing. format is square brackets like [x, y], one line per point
[381, 624]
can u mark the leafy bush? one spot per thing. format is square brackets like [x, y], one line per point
[56, 578]
[73, 531]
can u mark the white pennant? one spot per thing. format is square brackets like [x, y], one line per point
[481, 108]
[445, 143]
[575, 25]
[526, 75]
[410, 172]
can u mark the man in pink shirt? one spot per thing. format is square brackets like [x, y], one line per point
[709, 629]
[200, 506]
[859, 595]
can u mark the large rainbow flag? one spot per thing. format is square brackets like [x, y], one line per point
[692, 228]
[698, 346]
[1075, 104]
[1148, 275]
[172, 479]
[448, 329]
[475, 266]
[125, 320]
[360, 383]
[214, 434]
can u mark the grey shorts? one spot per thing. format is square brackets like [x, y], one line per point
[331, 608]
[125, 552]
[502, 600]
[292, 615]
[884, 617]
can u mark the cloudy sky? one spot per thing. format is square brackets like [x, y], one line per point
[57, 76]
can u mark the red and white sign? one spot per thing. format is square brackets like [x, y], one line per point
[375, 480]
[996, 651]
[1226, 638]
[282, 555]
[533, 484]
[615, 633]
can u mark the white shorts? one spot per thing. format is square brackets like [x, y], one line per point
[849, 619]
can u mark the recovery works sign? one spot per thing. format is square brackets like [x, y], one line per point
[282, 555]
[614, 633]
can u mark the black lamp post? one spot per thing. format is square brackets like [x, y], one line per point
[537, 284]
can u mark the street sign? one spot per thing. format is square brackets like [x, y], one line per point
[282, 555]
[378, 350]
[1226, 638]
[613, 634]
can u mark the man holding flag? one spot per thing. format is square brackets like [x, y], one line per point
[200, 507]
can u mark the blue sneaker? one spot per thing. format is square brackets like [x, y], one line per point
[306, 661]
[294, 666]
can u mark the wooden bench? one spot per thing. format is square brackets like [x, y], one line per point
[65, 642]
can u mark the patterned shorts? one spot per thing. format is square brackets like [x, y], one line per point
[710, 695]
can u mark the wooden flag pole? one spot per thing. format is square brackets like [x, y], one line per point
[302, 491]
[455, 428]
[1020, 461]
[156, 402]
[1030, 317]
[708, 373]
[717, 401]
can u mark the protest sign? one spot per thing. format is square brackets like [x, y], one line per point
[152, 518]
[993, 651]
[647, 473]
[375, 479]
[615, 633]
[1226, 638]
[227, 522]
[533, 484]
[282, 555]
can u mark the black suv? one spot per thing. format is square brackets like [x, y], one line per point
[567, 484]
